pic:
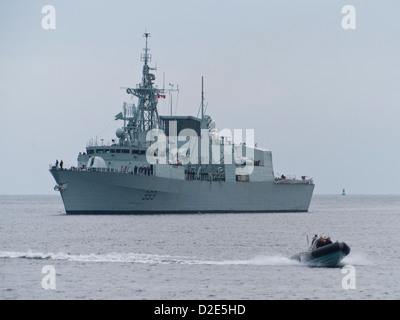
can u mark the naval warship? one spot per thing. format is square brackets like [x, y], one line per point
[160, 164]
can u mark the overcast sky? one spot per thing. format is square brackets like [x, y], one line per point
[323, 99]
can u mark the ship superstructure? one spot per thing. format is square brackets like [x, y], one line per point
[175, 164]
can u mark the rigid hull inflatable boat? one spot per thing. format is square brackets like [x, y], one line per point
[323, 253]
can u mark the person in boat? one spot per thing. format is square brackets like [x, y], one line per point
[314, 238]
[320, 242]
[323, 241]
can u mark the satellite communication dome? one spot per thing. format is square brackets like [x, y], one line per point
[119, 132]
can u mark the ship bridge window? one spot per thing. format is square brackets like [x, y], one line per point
[125, 150]
[118, 150]
[99, 150]
[90, 151]
[112, 150]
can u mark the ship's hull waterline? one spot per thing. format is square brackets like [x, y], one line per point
[94, 192]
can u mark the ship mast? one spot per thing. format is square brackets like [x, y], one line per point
[147, 114]
[145, 117]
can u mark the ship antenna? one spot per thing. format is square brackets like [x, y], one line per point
[202, 98]
[146, 56]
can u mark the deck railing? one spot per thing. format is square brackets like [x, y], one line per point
[293, 181]
[148, 171]
[143, 170]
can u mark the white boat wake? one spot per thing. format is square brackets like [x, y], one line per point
[116, 257]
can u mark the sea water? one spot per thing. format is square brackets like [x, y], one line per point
[46, 254]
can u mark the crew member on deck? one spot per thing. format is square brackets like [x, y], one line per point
[314, 238]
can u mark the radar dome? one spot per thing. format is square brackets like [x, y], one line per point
[119, 132]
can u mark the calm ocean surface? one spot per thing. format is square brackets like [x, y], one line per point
[197, 256]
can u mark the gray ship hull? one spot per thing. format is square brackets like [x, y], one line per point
[93, 192]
